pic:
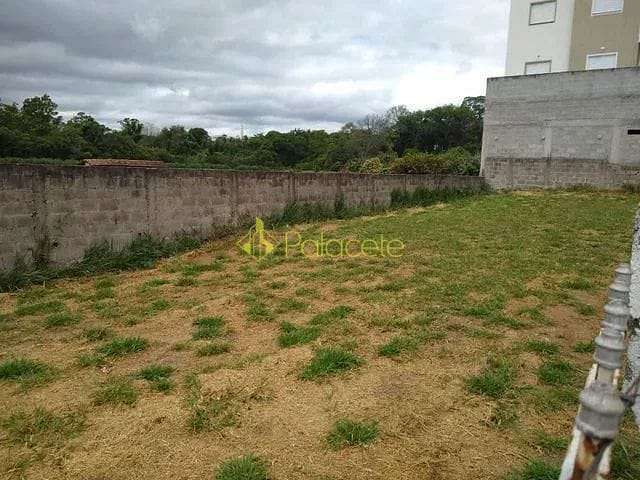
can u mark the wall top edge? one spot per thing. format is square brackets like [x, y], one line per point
[611, 71]
[168, 172]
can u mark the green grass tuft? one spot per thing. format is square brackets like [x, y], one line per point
[577, 284]
[42, 427]
[554, 399]
[504, 416]
[116, 391]
[506, 321]
[248, 467]
[186, 282]
[329, 361]
[327, 318]
[208, 327]
[550, 444]
[107, 282]
[104, 293]
[162, 385]
[91, 360]
[585, 347]
[154, 372]
[292, 335]
[398, 345]
[292, 305]
[61, 320]
[258, 311]
[214, 348]
[495, 380]
[556, 372]
[625, 461]
[26, 372]
[208, 413]
[98, 334]
[158, 377]
[157, 306]
[195, 269]
[351, 433]
[123, 346]
[541, 347]
[535, 470]
[41, 308]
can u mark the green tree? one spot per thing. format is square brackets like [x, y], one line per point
[39, 115]
[200, 137]
[131, 127]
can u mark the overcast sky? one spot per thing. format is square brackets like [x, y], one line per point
[275, 64]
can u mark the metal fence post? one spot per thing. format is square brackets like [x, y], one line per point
[599, 417]
[601, 406]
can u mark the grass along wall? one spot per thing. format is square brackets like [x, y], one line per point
[54, 214]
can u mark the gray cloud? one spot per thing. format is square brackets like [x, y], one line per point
[265, 64]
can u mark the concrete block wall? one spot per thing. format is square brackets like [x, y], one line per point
[74, 208]
[563, 129]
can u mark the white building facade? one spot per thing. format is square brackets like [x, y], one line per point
[539, 37]
[548, 36]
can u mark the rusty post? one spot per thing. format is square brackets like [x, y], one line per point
[601, 411]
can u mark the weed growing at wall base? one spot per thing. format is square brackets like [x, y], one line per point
[145, 251]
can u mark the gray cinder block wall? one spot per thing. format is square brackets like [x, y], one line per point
[72, 208]
[563, 129]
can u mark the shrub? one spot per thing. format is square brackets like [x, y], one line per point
[375, 165]
[455, 161]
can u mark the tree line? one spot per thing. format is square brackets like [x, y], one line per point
[445, 139]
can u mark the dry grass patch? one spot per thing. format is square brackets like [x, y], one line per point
[500, 275]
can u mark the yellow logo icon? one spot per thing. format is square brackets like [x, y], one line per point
[257, 242]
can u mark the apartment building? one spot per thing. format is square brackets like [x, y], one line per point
[571, 35]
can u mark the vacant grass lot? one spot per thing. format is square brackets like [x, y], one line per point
[461, 359]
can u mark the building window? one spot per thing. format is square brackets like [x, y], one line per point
[605, 7]
[543, 12]
[602, 61]
[536, 68]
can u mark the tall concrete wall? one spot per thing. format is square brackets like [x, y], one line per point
[73, 208]
[563, 129]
